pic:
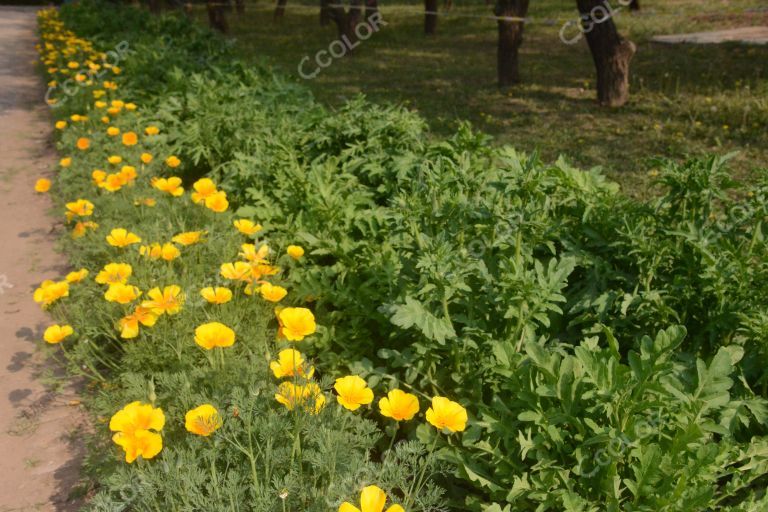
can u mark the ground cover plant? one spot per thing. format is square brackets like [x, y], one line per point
[609, 353]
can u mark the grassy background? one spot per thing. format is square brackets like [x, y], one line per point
[685, 99]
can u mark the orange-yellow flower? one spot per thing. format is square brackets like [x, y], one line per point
[289, 363]
[214, 334]
[76, 276]
[134, 425]
[42, 185]
[120, 237]
[114, 159]
[128, 172]
[353, 392]
[250, 253]
[399, 405]
[147, 201]
[57, 333]
[169, 252]
[152, 130]
[65, 162]
[172, 161]
[122, 293]
[98, 176]
[129, 325]
[113, 182]
[204, 188]
[169, 300]
[272, 293]
[112, 131]
[188, 237]
[295, 251]
[130, 139]
[203, 420]
[81, 207]
[218, 295]
[146, 158]
[296, 323]
[372, 499]
[217, 202]
[447, 415]
[170, 185]
[83, 143]
[82, 227]
[114, 273]
[142, 443]
[60, 125]
[51, 291]
[309, 396]
[237, 271]
[247, 226]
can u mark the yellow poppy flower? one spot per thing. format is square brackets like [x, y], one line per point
[60, 125]
[114, 159]
[203, 420]
[120, 237]
[250, 253]
[152, 130]
[112, 131]
[77, 276]
[113, 182]
[217, 202]
[122, 293]
[188, 237]
[272, 293]
[128, 172]
[82, 227]
[399, 405]
[83, 143]
[204, 188]
[98, 176]
[289, 363]
[295, 251]
[353, 392]
[147, 201]
[57, 333]
[247, 226]
[214, 334]
[129, 325]
[142, 443]
[146, 158]
[447, 415]
[308, 396]
[42, 185]
[114, 273]
[137, 416]
[237, 271]
[65, 162]
[372, 499]
[296, 323]
[130, 139]
[216, 295]
[81, 207]
[170, 185]
[169, 300]
[172, 161]
[50, 291]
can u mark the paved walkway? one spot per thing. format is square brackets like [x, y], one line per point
[38, 460]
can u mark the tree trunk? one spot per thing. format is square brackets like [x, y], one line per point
[634, 5]
[610, 52]
[371, 8]
[342, 19]
[325, 12]
[216, 17]
[280, 9]
[510, 39]
[154, 6]
[356, 8]
[430, 17]
[240, 4]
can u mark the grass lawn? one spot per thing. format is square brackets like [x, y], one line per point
[686, 99]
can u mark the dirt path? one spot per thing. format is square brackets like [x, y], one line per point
[38, 460]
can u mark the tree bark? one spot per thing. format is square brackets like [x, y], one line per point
[510, 39]
[216, 17]
[356, 8]
[371, 8]
[610, 52]
[280, 9]
[325, 13]
[342, 19]
[430, 17]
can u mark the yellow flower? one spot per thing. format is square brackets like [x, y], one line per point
[50, 291]
[114, 273]
[81, 207]
[188, 237]
[170, 185]
[130, 139]
[57, 333]
[372, 499]
[98, 176]
[247, 227]
[146, 158]
[112, 131]
[141, 443]
[120, 237]
[83, 143]
[129, 325]
[217, 202]
[147, 201]
[203, 420]
[42, 185]
[172, 162]
[272, 293]
[112, 183]
[169, 300]
[216, 295]
[77, 276]
[296, 323]
[250, 253]
[169, 252]
[309, 396]
[151, 130]
[114, 159]
[353, 392]
[289, 363]
[122, 293]
[447, 415]
[214, 334]
[399, 405]
[128, 173]
[204, 188]
[81, 227]
[65, 162]
[237, 271]
[60, 125]
[295, 251]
